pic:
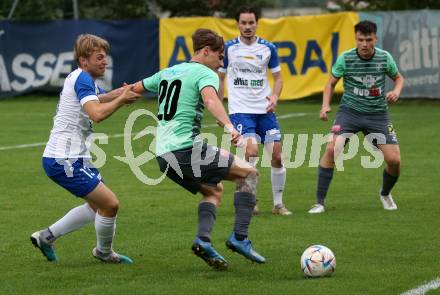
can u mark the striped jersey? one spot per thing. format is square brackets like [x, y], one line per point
[364, 80]
[69, 137]
[180, 104]
[246, 67]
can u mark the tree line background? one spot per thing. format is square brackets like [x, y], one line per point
[132, 9]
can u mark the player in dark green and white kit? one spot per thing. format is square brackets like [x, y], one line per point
[184, 90]
[363, 108]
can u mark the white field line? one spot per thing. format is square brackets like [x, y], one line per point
[28, 145]
[432, 285]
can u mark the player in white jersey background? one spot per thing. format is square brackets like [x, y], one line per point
[251, 102]
[66, 158]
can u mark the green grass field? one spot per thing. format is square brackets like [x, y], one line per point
[378, 252]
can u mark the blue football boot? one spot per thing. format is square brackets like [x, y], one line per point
[244, 248]
[206, 251]
[45, 247]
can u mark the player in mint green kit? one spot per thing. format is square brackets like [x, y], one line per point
[363, 108]
[183, 92]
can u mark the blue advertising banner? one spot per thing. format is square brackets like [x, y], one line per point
[39, 55]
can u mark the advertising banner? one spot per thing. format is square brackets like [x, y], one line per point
[307, 45]
[39, 55]
[413, 39]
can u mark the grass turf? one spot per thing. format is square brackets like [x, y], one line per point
[378, 252]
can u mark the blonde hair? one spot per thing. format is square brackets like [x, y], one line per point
[86, 44]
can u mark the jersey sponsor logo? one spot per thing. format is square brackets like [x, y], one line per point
[375, 92]
[368, 81]
[254, 83]
[246, 57]
[367, 92]
[257, 83]
[247, 70]
[240, 82]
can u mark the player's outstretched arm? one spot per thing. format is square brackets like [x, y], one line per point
[327, 97]
[101, 111]
[394, 94]
[138, 87]
[109, 96]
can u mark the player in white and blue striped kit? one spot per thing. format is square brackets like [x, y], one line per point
[66, 158]
[251, 102]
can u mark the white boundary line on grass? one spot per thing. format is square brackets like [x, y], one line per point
[432, 285]
[28, 145]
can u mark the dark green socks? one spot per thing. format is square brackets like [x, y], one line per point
[325, 176]
[244, 205]
[388, 182]
[207, 214]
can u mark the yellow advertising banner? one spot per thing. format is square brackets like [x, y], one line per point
[307, 45]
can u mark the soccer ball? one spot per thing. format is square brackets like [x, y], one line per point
[318, 261]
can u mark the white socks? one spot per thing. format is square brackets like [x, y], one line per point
[80, 216]
[278, 176]
[105, 231]
[73, 220]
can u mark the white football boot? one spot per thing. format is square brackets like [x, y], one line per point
[388, 202]
[316, 209]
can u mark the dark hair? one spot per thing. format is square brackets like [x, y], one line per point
[207, 37]
[365, 27]
[248, 9]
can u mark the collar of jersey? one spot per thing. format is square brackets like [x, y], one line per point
[366, 59]
[256, 41]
